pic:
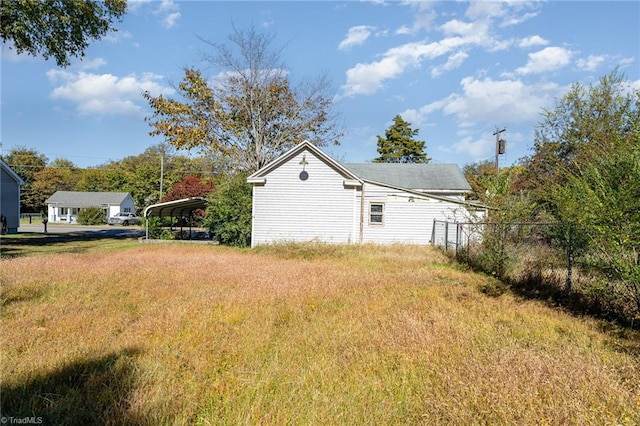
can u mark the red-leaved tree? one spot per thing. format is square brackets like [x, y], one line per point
[190, 186]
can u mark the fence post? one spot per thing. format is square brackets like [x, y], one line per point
[569, 283]
[433, 233]
[446, 237]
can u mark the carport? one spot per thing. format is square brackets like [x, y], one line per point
[179, 208]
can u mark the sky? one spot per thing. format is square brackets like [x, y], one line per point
[456, 71]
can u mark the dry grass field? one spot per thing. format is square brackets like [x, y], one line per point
[312, 335]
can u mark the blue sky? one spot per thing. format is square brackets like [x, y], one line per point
[455, 70]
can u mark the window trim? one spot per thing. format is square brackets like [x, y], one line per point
[380, 214]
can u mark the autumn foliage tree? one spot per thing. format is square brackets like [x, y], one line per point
[250, 112]
[190, 186]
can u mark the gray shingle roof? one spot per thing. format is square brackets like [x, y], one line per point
[86, 199]
[422, 177]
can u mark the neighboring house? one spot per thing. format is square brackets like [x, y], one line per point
[63, 206]
[10, 184]
[305, 195]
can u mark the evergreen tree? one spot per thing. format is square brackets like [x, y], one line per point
[399, 146]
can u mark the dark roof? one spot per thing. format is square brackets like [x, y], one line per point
[421, 177]
[86, 199]
[177, 208]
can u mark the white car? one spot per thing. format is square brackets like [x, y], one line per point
[124, 219]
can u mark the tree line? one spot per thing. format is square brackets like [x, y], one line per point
[158, 174]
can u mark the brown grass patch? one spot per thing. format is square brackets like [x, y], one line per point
[314, 335]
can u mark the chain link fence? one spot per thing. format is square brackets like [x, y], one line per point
[542, 259]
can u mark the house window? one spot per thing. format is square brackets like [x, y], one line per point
[64, 211]
[126, 209]
[376, 213]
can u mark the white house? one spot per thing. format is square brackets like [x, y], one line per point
[305, 195]
[10, 184]
[63, 206]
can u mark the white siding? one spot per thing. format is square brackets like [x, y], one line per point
[407, 219]
[320, 208]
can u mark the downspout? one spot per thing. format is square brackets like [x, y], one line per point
[361, 213]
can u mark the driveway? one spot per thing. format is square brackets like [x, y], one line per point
[83, 231]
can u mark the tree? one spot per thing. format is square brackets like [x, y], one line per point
[250, 112]
[49, 180]
[57, 28]
[478, 174]
[94, 180]
[588, 150]
[27, 163]
[398, 145]
[229, 211]
[191, 186]
[586, 117]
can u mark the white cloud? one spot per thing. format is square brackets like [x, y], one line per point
[171, 20]
[170, 12]
[504, 101]
[355, 36]
[105, 94]
[423, 18]
[535, 40]
[454, 61]
[591, 62]
[368, 78]
[116, 36]
[88, 64]
[547, 59]
[491, 101]
[476, 149]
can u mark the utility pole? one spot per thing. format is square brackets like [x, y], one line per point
[161, 175]
[501, 146]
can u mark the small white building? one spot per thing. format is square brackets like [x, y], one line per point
[63, 206]
[10, 184]
[305, 195]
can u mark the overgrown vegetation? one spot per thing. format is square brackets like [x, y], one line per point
[297, 334]
[229, 212]
[584, 177]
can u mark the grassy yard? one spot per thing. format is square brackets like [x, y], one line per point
[186, 334]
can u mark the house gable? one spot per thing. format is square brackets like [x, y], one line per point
[304, 195]
[259, 176]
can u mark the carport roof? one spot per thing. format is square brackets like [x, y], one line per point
[177, 208]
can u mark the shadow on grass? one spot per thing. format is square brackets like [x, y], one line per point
[93, 391]
[65, 242]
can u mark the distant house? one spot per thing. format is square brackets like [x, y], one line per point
[305, 195]
[63, 206]
[10, 184]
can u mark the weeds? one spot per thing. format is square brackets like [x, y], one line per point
[177, 334]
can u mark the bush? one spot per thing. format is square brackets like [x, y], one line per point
[229, 212]
[91, 216]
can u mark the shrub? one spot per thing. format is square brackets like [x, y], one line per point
[91, 216]
[229, 212]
